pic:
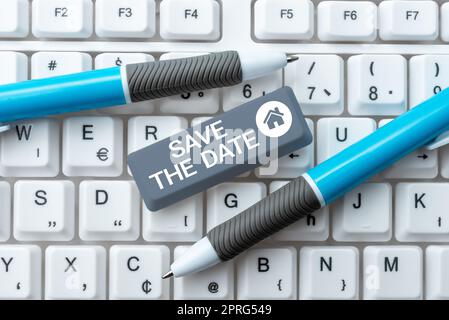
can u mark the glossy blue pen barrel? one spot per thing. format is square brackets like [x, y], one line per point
[69, 93]
[382, 148]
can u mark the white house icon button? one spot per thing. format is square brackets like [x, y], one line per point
[273, 119]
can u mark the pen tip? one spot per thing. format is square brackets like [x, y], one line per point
[168, 275]
[291, 58]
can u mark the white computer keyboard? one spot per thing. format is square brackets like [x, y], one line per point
[72, 224]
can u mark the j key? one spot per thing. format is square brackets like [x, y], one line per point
[14, 19]
[5, 211]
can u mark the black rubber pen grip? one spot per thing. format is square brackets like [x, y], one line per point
[165, 78]
[290, 203]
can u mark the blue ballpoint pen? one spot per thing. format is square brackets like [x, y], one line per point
[320, 185]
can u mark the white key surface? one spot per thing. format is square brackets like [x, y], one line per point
[445, 21]
[13, 66]
[377, 85]
[135, 272]
[347, 21]
[62, 18]
[92, 146]
[109, 210]
[392, 272]
[51, 64]
[14, 19]
[269, 273]
[20, 272]
[44, 210]
[5, 211]
[318, 83]
[283, 19]
[125, 18]
[328, 273]
[437, 273]
[189, 20]
[418, 213]
[75, 272]
[30, 149]
[182, 221]
[364, 214]
[214, 283]
[408, 20]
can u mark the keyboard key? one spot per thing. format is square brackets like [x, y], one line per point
[392, 272]
[444, 161]
[318, 82]
[13, 66]
[336, 134]
[347, 21]
[125, 19]
[109, 210]
[195, 102]
[20, 272]
[190, 20]
[135, 272]
[408, 20]
[51, 64]
[62, 18]
[75, 272]
[419, 164]
[377, 85]
[445, 21]
[311, 228]
[328, 273]
[437, 273]
[229, 199]
[14, 19]
[364, 214]
[244, 92]
[267, 274]
[44, 210]
[30, 149]
[92, 146]
[283, 19]
[5, 211]
[418, 212]
[214, 283]
[182, 221]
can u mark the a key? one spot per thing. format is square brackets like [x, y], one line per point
[311, 228]
[182, 221]
[364, 214]
[267, 274]
[44, 210]
[109, 210]
[428, 76]
[377, 85]
[30, 149]
[336, 134]
[125, 19]
[5, 211]
[408, 20]
[418, 213]
[14, 66]
[62, 18]
[14, 19]
[135, 272]
[200, 102]
[419, 164]
[292, 165]
[228, 199]
[244, 92]
[214, 283]
[51, 64]
[190, 20]
[437, 273]
[392, 272]
[318, 83]
[347, 21]
[108, 60]
[20, 272]
[75, 272]
[328, 273]
[283, 19]
[92, 146]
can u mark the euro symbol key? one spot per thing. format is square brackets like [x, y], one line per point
[103, 154]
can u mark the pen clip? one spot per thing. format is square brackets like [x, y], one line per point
[4, 127]
[440, 141]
